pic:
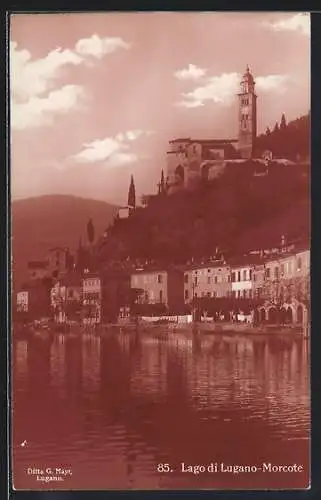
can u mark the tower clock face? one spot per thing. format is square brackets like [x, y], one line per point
[245, 110]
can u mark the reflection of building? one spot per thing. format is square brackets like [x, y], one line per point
[160, 286]
[212, 280]
[91, 293]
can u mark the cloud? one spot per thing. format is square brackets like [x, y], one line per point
[189, 104]
[30, 79]
[192, 72]
[222, 89]
[272, 82]
[99, 47]
[114, 151]
[38, 111]
[298, 22]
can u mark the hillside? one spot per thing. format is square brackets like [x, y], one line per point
[41, 223]
[286, 140]
[237, 212]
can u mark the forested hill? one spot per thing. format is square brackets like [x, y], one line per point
[286, 140]
[237, 212]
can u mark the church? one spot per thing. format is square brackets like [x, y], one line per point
[189, 160]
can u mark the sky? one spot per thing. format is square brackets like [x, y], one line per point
[95, 98]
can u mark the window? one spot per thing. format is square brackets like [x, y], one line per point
[276, 272]
[159, 278]
[244, 294]
[299, 264]
[282, 269]
[239, 294]
[185, 278]
[214, 294]
[208, 270]
[267, 272]
[239, 276]
[233, 277]
[228, 278]
[195, 280]
[250, 273]
[215, 280]
[186, 294]
[194, 148]
[70, 293]
[161, 296]
[203, 294]
[208, 294]
[290, 267]
[250, 294]
[244, 275]
[195, 295]
[254, 277]
[208, 280]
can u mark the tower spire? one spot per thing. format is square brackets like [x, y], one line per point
[131, 195]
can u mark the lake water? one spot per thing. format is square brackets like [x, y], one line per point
[109, 410]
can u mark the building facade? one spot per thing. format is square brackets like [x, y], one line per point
[160, 287]
[207, 281]
[189, 160]
[241, 281]
[22, 301]
[91, 295]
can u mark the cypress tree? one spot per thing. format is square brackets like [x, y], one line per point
[283, 122]
[132, 194]
[90, 231]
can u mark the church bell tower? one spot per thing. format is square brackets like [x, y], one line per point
[247, 115]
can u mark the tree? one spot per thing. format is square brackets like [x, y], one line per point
[268, 131]
[276, 127]
[283, 122]
[132, 194]
[90, 231]
[162, 183]
[69, 261]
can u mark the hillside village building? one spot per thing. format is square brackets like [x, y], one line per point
[211, 280]
[191, 159]
[160, 286]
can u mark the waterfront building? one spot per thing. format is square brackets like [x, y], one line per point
[22, 301]
[258, 279]
[116, 293]
[91, 294]
[287, 277]
[160, 286]
[58, 302]
[241, 280]
[208, 280]
[71, 282]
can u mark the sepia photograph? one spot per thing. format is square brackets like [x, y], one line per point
[160, 233]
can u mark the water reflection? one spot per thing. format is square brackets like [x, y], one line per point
[113, 407]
